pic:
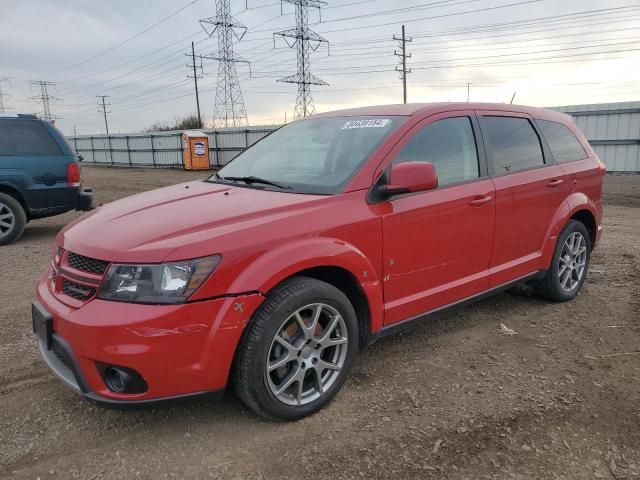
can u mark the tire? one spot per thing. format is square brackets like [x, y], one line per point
[265, 364]
[12, 219]
[559, 284]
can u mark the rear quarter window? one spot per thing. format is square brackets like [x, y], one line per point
[564, 145]
[26, 138]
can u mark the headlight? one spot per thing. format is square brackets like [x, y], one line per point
[159, 283]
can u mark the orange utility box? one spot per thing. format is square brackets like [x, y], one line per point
[195, 151]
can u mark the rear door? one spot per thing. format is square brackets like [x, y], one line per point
[530, 188]
[437, 244]
[583, 170]
[32, 156]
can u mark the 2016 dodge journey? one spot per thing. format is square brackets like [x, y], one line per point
[326, 235]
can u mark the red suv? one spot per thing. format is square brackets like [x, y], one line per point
[328, 234]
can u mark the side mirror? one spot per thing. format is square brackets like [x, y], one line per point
[410, 177]
[80, 158]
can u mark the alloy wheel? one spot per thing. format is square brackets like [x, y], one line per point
[7, 220]
[573, 261]
[307, 354]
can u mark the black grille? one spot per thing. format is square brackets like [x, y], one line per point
[87, 264]
[77, 291]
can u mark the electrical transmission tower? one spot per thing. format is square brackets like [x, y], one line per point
[195, 76]
[403, 55]
[306, 41]
[102, 103]
[229, 109]
[45, 99]
[3, 95]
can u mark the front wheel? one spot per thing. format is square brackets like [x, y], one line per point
[297, 350]
[569, 266]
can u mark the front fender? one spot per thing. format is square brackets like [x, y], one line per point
[282, 262]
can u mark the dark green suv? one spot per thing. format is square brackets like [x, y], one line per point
[39, 174]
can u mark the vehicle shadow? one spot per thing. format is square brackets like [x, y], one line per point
[35, 232]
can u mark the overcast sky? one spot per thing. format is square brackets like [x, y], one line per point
[548, 52]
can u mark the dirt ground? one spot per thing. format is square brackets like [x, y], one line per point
[451, 399]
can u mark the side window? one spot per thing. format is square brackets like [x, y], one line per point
[450, 145]
[563, 143]
[513, 144]
[26, 137]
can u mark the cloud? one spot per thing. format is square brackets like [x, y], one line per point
[543, 51]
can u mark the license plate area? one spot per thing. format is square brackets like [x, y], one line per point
[42, 323]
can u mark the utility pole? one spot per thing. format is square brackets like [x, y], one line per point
[195, 77]
[306, 41]
[45, 99]
[468, 91]
[229, 109]
[102, 103]
[3, 95]
[403, 55]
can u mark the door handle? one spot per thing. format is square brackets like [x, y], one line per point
[555, 183]
[479, 201]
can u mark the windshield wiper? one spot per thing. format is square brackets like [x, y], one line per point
[252, 179]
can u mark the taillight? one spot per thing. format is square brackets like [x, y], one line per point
[73, 175]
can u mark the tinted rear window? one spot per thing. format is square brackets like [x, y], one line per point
[563, 143]
[513, 143]
[26, 137]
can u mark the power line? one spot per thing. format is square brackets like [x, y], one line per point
[504, 25]
[305, 40]
[229, 109]
[128, 62]
[403, 55]
[502, 45]
[396, 11]
[133, 37]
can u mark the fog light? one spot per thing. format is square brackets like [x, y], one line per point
[122, 379]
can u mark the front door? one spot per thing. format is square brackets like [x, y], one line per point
[437, 244]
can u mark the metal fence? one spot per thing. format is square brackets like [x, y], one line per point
[163, 149]
[612, 129]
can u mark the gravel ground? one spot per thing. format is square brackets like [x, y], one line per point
[451, 399]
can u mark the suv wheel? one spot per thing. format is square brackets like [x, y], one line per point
[297, 350]
[568, 270]
[12, 219]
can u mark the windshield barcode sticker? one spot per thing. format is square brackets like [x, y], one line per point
[371, 123]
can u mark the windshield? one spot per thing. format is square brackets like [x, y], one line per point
[317, 156]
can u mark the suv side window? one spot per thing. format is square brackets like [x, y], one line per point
[513, 144]
[26, 138]
[564, 145]
[450, 145]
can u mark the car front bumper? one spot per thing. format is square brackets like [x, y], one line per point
[179, 350]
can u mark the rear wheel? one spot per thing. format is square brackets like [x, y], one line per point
[568, 270]
[297, 351]
[12, 219]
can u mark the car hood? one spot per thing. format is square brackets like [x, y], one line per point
[149, 226]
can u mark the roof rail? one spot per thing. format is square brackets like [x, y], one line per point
[17, 115]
